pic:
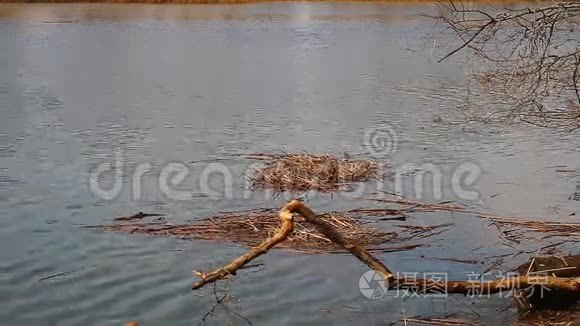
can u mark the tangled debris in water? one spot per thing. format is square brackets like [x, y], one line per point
[303, 172]
[252, 227]
[249, 228]
[513, 228]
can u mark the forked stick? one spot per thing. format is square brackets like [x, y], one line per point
[421, 285]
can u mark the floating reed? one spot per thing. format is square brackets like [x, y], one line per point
[303, 172]
[249, 228]
[252, 227]
[515, 228]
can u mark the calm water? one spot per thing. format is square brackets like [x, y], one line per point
[161, 84]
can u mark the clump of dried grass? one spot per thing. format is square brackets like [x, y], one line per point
[252, 227]
[303, 172]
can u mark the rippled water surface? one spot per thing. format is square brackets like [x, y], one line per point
[82, 83]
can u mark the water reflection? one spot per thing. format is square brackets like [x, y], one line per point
[187, 83]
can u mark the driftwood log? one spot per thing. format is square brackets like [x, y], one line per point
[561, 277]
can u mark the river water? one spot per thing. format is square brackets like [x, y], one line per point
[87, 84]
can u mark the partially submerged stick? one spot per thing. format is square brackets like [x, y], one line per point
[287, 219]
[335, 236]
[570, 285]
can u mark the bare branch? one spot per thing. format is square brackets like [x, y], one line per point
[529, 56]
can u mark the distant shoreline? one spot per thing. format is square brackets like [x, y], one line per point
[199, 1]
[236, 1]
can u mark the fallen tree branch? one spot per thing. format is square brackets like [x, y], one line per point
[480, 287]
[287, 219]
[335, 236]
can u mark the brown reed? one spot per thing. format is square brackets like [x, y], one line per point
[251, 227]
[303, 172]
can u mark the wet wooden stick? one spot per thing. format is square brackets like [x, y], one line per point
[335, 236]
[286, 217]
